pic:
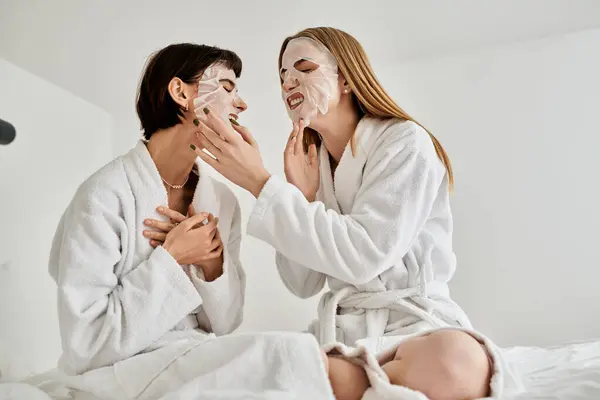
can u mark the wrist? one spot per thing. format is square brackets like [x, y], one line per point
[169, 249]
[259, 183]
[213, 276]
[211, 272]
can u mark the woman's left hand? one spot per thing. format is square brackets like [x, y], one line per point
[300, 170]
[237, 156]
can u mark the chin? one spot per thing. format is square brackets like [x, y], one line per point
[317, 121]
[313, 122]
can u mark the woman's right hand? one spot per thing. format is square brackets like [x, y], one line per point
[190, 242]
[300, 171]
[158, 234]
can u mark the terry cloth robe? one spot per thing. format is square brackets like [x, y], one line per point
[380, 235]
[135, 325]
[117, 296]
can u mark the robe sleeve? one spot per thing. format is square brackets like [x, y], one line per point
[105, 318]
[223, 298]
[303, 282]
[401, 180]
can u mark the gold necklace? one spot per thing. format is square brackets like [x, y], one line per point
[175, 186]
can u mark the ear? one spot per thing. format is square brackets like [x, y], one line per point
[179, 92]
[343, 84]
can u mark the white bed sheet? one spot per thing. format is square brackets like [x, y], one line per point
[18, 391]
[569, 372]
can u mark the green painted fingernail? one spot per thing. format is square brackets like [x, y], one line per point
[192, 147]
[206, 110]
[196, 122]
[233, 121]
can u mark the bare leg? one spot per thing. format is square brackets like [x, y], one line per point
[348, 380]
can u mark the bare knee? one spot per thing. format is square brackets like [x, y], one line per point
[464, 377]
[325, 361]
[348, 380]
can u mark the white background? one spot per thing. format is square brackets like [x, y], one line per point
[510, 88]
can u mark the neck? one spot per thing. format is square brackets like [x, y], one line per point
[337, 129]
[171, 153]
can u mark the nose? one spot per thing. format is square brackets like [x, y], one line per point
[240, 104]
[290, 84]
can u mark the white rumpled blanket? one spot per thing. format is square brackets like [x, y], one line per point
[274, 365]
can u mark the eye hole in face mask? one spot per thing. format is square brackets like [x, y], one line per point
[228, 85]
[304, 66]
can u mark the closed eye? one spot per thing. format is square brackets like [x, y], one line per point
[228, 85]
[306, 66]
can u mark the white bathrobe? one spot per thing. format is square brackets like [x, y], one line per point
[117, 296]
[135, 326]
[380, 234]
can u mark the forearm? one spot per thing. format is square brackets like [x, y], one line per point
[100, 324]
[212, 269]
[300, 280]
[309, 233]
[223, 296]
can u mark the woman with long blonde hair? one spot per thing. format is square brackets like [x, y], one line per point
[366, 204]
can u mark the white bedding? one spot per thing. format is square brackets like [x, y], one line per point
[570, 372]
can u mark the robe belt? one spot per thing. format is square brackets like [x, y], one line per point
[397, 300]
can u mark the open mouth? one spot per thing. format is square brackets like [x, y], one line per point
[294, 100]
[233, 117]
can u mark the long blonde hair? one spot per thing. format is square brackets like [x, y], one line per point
[370, 97]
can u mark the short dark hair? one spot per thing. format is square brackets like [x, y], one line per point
[187, 61]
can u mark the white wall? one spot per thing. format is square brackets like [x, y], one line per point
[521, 125]
[75, 49]
[60, 140]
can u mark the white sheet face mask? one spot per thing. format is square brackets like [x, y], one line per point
[312, 90]
[211, 92]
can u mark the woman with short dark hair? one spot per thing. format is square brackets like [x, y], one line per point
[146, 256]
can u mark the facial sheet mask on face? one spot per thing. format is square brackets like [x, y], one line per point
[312, 90]
[212, 94]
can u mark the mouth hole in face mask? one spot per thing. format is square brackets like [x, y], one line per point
[305, 66]
[295, 100]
